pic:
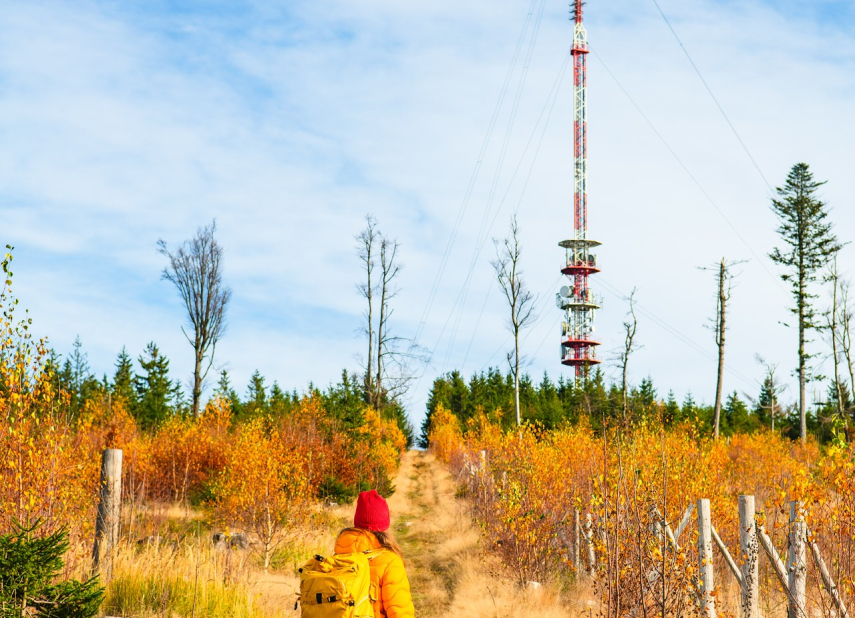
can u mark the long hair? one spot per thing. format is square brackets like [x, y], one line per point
[384, 538]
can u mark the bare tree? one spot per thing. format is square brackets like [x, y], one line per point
[389, 368]
[520, 299]
[196, 270]
[724, 284]
[630, 329]
[845, 330]
[389, 269]
[832, 326]
[365, 249]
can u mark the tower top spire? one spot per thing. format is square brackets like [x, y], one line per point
[577, 10]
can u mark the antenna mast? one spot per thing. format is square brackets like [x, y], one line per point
[578, 348]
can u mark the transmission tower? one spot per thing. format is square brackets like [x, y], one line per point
[578, 348]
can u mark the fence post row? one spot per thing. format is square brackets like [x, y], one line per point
[109, 510]
[750, 558]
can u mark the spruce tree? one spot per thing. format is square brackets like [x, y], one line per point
[256, 396]
[123, 380]
[29, 567]
[672, 409]
[689, 408]
[809, 244]
[737, 418]
[224, 389]
[155, 390]
[280, 402]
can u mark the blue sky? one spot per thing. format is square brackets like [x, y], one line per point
[288, 122]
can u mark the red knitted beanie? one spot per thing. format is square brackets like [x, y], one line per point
[372, 512]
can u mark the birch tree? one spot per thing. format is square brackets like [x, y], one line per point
[520, 299]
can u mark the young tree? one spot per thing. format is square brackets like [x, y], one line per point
[77, 377]
[809, 244]
[123, 379]
[630, 329]
[196, 270]
[766, 406]
[225, 391]
[155, 391]
[256, 395]
[264, 488]
[30, 564]
[520, 299]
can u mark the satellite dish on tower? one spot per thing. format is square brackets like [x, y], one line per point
[565, 291]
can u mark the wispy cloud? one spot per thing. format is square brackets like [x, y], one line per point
[124, 124]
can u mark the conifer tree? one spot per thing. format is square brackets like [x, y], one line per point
[809, 244]
[280, 402]
[672, 409]
[689, 406]
[123, 379]
[224, 389]
[29, 567]
[256, 395]
[155, 391]
[736, 415]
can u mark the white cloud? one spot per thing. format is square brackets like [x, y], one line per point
[288, 125]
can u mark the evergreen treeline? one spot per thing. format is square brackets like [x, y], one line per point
[152, 396]
[551, 404]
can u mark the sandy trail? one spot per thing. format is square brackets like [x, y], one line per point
[449, 573]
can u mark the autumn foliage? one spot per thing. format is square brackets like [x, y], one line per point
[525, 486]
[258, 475]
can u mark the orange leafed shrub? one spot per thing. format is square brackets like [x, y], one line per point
[526, 485]
[185, 453]
[42, 476]
[263, 487]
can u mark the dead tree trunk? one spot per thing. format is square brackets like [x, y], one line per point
[365, 250]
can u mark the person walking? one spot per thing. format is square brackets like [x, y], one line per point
[390, 588]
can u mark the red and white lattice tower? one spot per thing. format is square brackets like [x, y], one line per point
[578, 348]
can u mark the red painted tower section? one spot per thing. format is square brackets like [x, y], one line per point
[578, 347]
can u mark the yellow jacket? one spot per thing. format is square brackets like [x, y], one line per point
[390, 588]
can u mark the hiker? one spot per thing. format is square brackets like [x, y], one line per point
[390, 589]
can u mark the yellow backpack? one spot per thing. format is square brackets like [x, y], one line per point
[337, 587]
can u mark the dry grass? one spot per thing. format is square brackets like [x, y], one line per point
[183, 575]
[178, 572]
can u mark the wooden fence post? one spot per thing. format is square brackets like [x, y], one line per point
[705, 559]
[750, 558]
[796, 563]
[107, 520]
[577, 527]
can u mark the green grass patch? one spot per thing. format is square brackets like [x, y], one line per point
[165, 595]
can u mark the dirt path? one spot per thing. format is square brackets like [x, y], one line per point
[449, 573]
